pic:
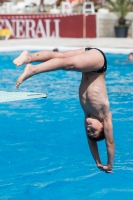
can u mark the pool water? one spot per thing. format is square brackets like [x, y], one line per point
[44, 153]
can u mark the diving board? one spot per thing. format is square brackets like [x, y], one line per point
[16, 96]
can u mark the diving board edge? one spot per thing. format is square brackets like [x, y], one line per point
[17, 96]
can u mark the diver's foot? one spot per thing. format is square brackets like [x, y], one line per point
[24, 58]
[27, 73]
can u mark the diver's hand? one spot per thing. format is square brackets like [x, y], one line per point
[105, 168]
[100, 166]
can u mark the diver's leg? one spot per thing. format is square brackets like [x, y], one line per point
[26, 57]
[85, 62]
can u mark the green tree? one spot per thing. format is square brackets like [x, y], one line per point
[121, 8]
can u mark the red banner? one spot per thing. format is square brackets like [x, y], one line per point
[43, 25]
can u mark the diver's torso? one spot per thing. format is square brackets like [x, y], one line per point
[93, 94]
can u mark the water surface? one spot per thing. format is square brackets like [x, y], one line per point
[43, 148]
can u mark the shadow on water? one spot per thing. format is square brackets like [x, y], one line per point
[43, 149]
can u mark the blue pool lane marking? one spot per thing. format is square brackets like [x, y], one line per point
[16, 96]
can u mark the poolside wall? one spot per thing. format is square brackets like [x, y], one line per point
[64, 26]
[49, 25]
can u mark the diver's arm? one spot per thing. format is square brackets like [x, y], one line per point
[108, 132]
[94, 151]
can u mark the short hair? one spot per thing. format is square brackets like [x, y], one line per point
[99, 137]
[130, 54]
[55, 50]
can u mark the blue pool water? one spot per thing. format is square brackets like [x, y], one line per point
[44, 153]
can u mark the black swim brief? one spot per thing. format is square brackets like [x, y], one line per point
[104, 68]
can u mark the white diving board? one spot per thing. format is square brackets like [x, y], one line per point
[16, 96]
